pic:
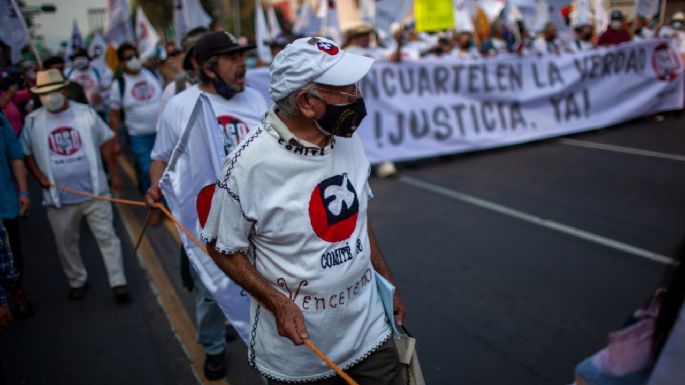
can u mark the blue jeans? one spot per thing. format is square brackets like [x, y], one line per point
[211, 322]
[141, 146]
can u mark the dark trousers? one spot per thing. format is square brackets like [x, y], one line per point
[382, 367]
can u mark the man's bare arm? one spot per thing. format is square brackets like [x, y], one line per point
[289, 318]
[152, 195]
[19, 173]
[381, 266]
[36, 172]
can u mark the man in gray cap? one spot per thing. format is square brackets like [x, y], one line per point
[288, 222]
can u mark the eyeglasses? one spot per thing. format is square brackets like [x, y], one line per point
[355, 93]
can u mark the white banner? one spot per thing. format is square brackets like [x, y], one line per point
[427, 108]
[424, 109]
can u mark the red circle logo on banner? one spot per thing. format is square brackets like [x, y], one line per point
[666, 63]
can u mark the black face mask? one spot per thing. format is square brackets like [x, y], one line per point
[227, 91]
[342, 119]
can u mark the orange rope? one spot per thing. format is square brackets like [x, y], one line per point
[166, 212]
[330, 363]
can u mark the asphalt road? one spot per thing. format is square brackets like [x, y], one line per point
[499, 290]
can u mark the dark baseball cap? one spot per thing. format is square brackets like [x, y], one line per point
[616, 15]
[217, 43]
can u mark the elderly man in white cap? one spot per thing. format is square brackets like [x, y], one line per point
[288, 222]
[63, 142]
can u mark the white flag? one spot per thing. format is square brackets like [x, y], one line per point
[188, 185]
[118, 23]
[330, 26]
[389, 12]
[274, 26]
[555, 16]
[13, 31]
[526, 10]
[581, 13]
[492, 8]
[541, 16]
[261, 33]
[97, 47]
[367, 9]
[307, 24]
[463, 21]
[75, 41]
[188, 15]
[647, 8]
[601, 16]
[96, 51]
[146, 36]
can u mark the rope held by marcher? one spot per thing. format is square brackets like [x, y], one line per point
[199, 244]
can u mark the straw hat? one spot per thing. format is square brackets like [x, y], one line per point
[678, 16]
[49, 81]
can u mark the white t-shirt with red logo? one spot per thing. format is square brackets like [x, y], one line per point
[235, 118]
[300, 214]
[142, 96]
[68, 161]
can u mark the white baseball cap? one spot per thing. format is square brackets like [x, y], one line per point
[314, 60]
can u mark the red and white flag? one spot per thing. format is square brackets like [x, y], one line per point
[146, 36]
[188, 186]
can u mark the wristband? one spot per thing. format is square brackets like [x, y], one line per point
[23, 193]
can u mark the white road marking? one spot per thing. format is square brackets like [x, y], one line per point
[621, 149]
[552, 225]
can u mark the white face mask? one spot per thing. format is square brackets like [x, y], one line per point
[53, 101]
[616, 24]
[134, 64]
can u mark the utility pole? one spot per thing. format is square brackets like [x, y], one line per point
[236, 18]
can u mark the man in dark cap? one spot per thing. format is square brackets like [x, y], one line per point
[220, 61]
[617, 32]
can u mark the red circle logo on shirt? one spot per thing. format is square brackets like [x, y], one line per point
[334, 208]
[665, 62]
[142, 91]
[233, 130]
[64, 141]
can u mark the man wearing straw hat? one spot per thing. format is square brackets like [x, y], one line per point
[63, 142]
[288, 223]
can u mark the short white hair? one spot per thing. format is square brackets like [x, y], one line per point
[288, 105]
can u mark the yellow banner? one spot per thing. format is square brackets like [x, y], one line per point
[434, 15]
